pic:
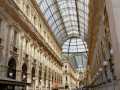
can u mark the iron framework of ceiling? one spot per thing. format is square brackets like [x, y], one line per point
[68, 20]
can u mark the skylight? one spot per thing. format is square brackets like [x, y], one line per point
[68, 20]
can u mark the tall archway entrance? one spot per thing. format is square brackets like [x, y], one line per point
[24, 73]
[11, 73]
[33, 78]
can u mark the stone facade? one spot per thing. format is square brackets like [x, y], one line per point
[70, 76]
[28, 50]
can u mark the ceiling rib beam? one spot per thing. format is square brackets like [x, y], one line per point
[69, 47]
[61, 16]
[67, 15]
[51, 13]
[77, 16]
[84, 32]
[85, 47]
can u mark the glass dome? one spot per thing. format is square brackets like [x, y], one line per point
[74, 45]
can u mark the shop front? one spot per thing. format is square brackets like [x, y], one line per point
[9, 84]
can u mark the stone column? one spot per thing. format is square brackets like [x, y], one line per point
[29, 74]
[37, 75]
[4, 48]
[42, 77]
[19, 58]
[50, 79]
[18, 72]
[47, 78]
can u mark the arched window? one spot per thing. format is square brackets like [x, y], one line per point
[33, 73]
[12, 68]
[66, 78]
[24, 72]
[40, 73]
[34, 20]
[45, 75]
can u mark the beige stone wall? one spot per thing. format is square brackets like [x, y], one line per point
[37, 19]
[25, 48]
[70, 76]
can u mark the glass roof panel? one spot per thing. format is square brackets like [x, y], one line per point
[75, 45]
[68, 20]
[81, 60]
[70, 14]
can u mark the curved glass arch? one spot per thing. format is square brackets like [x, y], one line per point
[76, 49]
[66, 16]
[70, 8]
[61, 14]
[53, 2]
[75, 45]
[82, 28]
[61, 33]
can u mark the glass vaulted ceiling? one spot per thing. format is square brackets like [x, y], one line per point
[68, 20]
